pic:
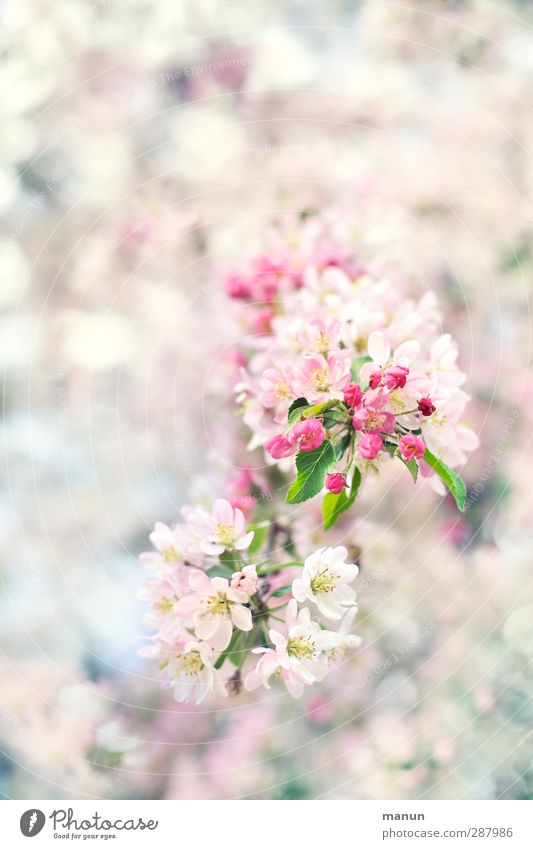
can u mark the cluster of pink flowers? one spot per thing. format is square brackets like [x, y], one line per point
[340, 374]
[212, 608]
[346, 358]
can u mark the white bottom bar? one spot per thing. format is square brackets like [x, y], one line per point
[261, 824]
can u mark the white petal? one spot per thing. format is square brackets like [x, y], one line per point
[242, 617]
[378, 347]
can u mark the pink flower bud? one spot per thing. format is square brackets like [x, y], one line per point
[395, 377]
[308, 434]
[411, 447]
[375, 379]
[238, 287]
[426, 406]
[370, 446]
[279, 447]
[352, 394]
[335, 482]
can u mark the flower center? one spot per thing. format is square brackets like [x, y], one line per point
[282, 391]
[218, 605]
[169, 555]
[302, 647]
[320, 378]
[323, 344]
[374, 421]
[225, 534]
[192, 663]
[323, 582]
[165, 604]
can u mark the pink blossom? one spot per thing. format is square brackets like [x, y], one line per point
[374, 379]
[246, 503]
[371, 416]
[238, 287]
[276, 387]
[370, 446]
[335, 482]
[395, 377]
[352, 394]
[262, 321]
[215, 608]
[321, 335]
[411, 447]
[384, 361]
[297, 654]
[280, 446]
[426, 406]
[308, 435]
[224, 529]
[245, 580]
[319, 379]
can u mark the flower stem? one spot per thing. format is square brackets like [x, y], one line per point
[277, 567]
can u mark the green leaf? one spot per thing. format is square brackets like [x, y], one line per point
[296, 409]
[356, 367]
[282, 590]
[451, 479]
[260, 530]
[342, 446]
[334, 505]
[230, 559]
[302, 409]
[220, 571]
[312, 468]
[240, 644]
[412, 465]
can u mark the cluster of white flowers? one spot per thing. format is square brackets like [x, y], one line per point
[213, 609]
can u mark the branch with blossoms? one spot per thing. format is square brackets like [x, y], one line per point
[340, 374]
[333, 439]
[213, 607]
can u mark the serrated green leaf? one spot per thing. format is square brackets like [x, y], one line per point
[296, 409]
[412, 465]
[312, 468]
[260, 530]
[451, 479]
[334, 505]
[282, 590]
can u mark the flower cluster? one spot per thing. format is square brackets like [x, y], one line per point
[343, 366]
[339, 375]
[212, 608]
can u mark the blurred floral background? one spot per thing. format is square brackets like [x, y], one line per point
[147, 147]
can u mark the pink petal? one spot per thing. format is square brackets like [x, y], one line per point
[223, 511]
[199, 582]
[239, 522]
[187, 605]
